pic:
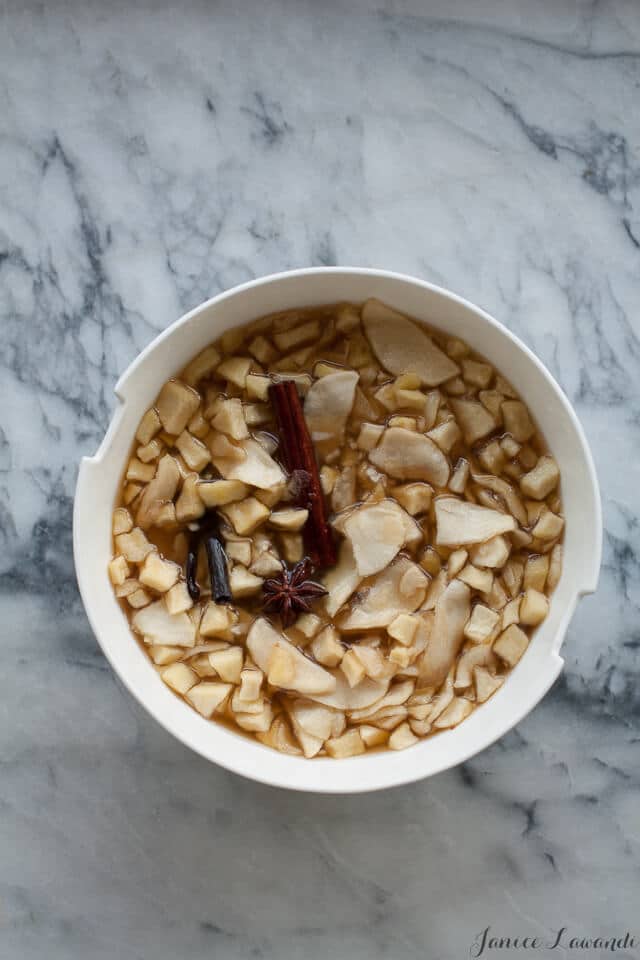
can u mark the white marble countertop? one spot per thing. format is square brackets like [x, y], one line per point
[153, 156]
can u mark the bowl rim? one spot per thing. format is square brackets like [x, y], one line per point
[316, 777]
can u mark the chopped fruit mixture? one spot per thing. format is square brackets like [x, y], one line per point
[337, 531]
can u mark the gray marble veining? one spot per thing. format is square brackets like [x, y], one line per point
[151, 155]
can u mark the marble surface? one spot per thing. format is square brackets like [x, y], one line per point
[152, 155]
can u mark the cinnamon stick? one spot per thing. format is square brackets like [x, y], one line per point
[299, 455]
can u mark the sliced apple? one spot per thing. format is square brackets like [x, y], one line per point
[402, 346]
[328, 404]
[159, 491]
[459, 522]
[257, 468]
[447, 634]
[408, 455]
[157, 625]
[376, 534]
[341, 581]
[308, 677]
[400, 588]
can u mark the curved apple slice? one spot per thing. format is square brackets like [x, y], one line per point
[257, 469]
[400, 588]
[328, 404]
[306, 677]
[459, 522]
[408, 455]
[344, 697]
[402, 346]
[447, 634]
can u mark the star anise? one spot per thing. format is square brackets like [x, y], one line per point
[291, 593]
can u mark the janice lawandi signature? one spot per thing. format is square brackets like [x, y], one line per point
[487, 942]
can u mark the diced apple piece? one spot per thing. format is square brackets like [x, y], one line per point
[198, 426]
[257, 468]
[404, 628]
[292, 547]
[350, 744]
[140, 472]
[245, 515]
[160, 491]
[290, 339]
[474, 419]
[372, 660]
[157, 573]
[517, 421]
[176, 404]
[391, 592]
[235, 369]
[250, 684]
[457, 711]
[555, 567]
[121, 522]
[313, 718]
[534, 607]
[477, 579]
[243, 583]
[266, 565]
[217, 493]
[479, 656]
[456, 562]
[202, 366]
[482, 624]
[134, 546]
[118, 570]
[342, 580]
[150, 451]
[308, 678]
[492, 457]
[352, 668]
[217, 621]
[511, 613]
[194, 452]
[535, 573]
[376, 534]
[308, 624]
[410, 456]
[208, 697]
[126, 588]
[157, 625]
[189, 506]
[177, 599]
[447, 635]
[328, 404]
[256, 722]
[414, 497]
[492, 553]
[459, 522]
[257, 387]
[511, 644]
[403, 347]
[239, 551]
[446, 434]
[179, 677]
[230, 419]
[369, 435]
[476, 373]
[291, 519]
[130, 492]
[485, 683]
[138, 598]
[402, 737]
[161, 654]
[373, 736]
[460, 477]
[148, 427]
[549, 526]
[326, 647]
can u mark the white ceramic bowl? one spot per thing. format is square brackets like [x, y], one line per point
[100, 475]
